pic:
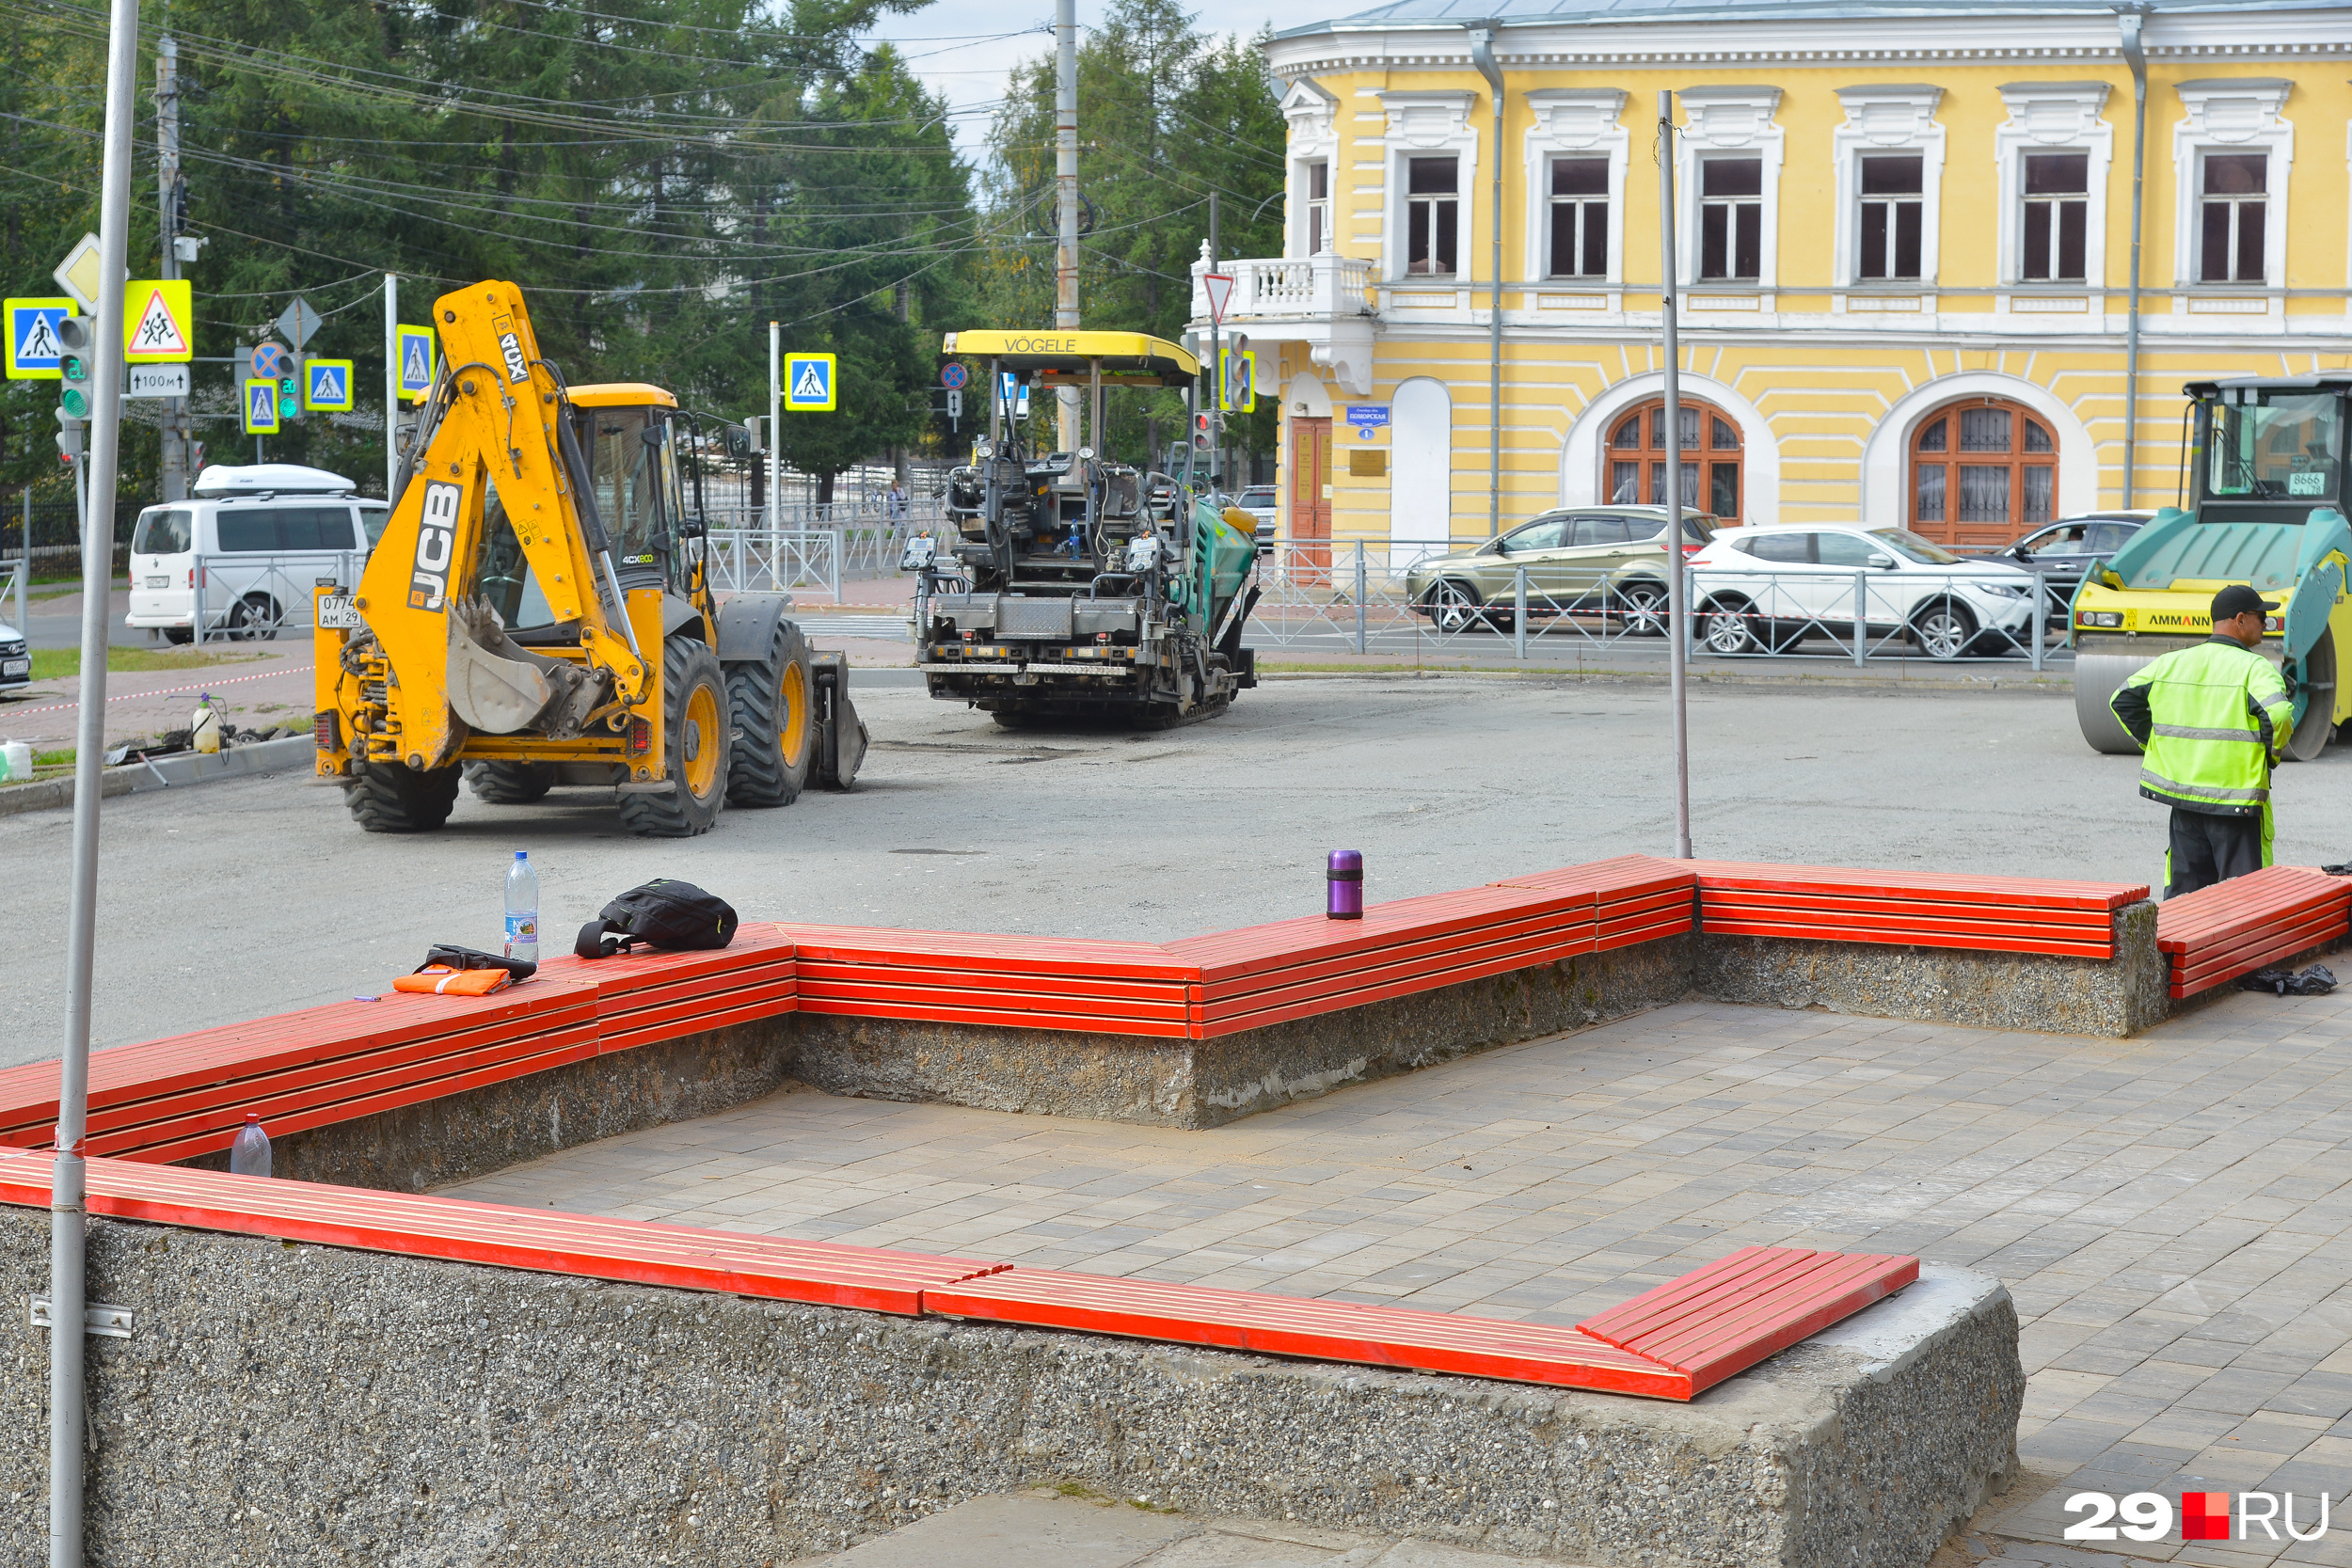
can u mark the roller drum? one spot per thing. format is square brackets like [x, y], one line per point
[2097, 678]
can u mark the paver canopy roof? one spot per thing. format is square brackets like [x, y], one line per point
[1571, 13]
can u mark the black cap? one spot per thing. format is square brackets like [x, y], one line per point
[2237, 599]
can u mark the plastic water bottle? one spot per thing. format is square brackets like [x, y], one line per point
[249, 1154]
[522, 909]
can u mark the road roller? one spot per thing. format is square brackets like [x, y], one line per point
[2263, 474]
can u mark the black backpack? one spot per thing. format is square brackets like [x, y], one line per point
[677, 917]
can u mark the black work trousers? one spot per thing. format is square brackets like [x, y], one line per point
[2206, 850]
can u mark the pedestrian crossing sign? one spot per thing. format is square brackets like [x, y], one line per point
[34, 352]
[327, 385]
[158, 321]
[810, 384]
[416, 363]
[260, 409]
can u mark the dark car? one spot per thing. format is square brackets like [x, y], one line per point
[2060, 552]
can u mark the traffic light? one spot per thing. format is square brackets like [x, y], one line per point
[1203, 437]
[69, 436]
[75, 365]
[289, 398]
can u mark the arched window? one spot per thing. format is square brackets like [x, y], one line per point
[1636, 459]
[1982, 472]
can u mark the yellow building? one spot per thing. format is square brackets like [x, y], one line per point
[1904, 240]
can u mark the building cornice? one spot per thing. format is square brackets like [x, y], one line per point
[1877, 43]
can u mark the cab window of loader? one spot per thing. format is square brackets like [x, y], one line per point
[626, 476]
[506, 578]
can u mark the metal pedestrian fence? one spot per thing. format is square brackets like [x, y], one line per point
[249, 597]
[1867, 614]
[1362, 597]
[774, 560]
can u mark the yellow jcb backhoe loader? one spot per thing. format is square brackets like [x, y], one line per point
[537, 614]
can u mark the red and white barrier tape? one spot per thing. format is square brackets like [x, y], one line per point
[162, 691]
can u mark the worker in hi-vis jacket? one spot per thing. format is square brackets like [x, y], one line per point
[2211, 720]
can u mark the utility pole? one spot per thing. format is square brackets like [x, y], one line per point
[1216, 363]
[176, 428]
[1066, 201]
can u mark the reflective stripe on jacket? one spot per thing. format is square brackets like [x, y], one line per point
[2212, 719]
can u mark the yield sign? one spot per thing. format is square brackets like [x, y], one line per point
[158, 313]
[1220, 288]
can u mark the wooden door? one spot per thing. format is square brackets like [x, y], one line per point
[1311, 493]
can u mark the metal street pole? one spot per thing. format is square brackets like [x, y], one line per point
[2132, 21]
[391, 386]
[175, 432]
[1678, 590]
[67, 1216]
[775, 426]
[1482, 39]
[1066, 203]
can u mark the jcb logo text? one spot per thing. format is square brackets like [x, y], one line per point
[436, 541]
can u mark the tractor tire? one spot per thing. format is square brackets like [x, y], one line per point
[695, 725]
[390, 798]
[509, 784]
[773, 703]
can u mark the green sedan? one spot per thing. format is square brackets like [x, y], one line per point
[1608, 561]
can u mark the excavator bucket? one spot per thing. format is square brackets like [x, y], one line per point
[499, 688]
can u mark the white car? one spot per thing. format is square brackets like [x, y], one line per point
[260, 537]
[1768, 589]
[16, 662]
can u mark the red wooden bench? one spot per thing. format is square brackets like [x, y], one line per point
[2232, 928]
[1266, 974]
[1635, 898]
[2002, 914]
[1670, 1343]
[1129, 988]
[543, 1239]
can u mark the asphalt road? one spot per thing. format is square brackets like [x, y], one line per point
[248, 897]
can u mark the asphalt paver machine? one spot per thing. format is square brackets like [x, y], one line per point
[2263, 474]
[1076, 587]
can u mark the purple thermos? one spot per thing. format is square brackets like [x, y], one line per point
[1344, 876]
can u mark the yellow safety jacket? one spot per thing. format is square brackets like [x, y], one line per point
[2211, 720]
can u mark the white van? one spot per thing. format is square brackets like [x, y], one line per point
[249, 547]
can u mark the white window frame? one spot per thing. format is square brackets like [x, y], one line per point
[1311, 111]
[1879, 119]
[2053, 117]
[1734, 120]
[1426, 125]
[2232, 114]
[1573, 122]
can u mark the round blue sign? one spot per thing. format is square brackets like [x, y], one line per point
[953, 376]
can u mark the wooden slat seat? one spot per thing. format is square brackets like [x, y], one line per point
[1727, 1317]
[2233, 928]
[543, 1239]
[2015, 914]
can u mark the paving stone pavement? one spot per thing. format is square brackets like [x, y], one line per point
[2171, 1211]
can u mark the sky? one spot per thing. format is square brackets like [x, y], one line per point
[965, 49]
